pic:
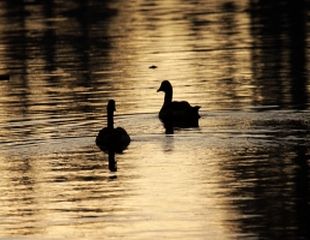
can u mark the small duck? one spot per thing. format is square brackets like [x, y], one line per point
[110, 139]
[176, 114]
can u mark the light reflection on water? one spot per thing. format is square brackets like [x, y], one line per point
[244, 173]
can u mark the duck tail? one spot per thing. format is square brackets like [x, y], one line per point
[196, 109]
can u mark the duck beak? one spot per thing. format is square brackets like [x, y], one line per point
[159, 89]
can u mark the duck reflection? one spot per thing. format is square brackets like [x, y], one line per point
[112, 140]
[176, 114]
[112, 162]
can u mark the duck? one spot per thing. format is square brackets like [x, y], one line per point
[110, 139]
[176, 114]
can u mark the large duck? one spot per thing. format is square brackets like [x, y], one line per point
[177, 114]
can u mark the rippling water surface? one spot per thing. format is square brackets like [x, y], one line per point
[243, 174]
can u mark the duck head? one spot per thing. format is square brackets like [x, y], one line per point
[165, 87]
[111, 106]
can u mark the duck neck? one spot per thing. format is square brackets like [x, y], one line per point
[168, 96]
[110, 120]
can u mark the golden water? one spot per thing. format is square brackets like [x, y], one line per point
[243, 174]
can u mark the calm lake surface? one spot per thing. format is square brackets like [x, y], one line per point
[243, 174]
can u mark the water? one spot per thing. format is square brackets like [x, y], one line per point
[243, 174]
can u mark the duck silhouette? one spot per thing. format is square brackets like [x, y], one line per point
[110, 139]
[176, 114]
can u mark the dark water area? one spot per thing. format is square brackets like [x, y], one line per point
[242, 174]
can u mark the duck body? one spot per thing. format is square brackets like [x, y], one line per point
[180, 114]
[177, 114]
[115, 140]
[110, 139]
